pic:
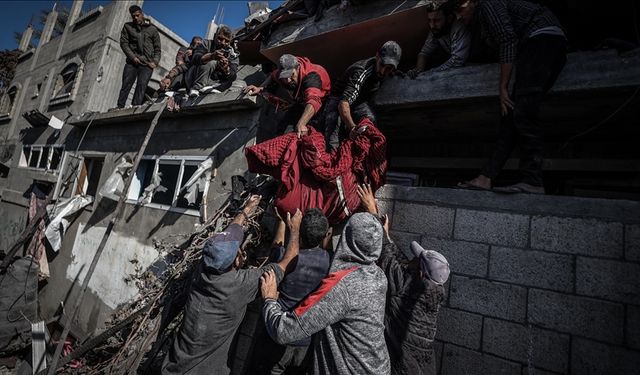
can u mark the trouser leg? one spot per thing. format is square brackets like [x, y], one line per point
[204, 74]
[144, 75]
[503, 148]
[332, 124]
[129, 75]
[538, 67]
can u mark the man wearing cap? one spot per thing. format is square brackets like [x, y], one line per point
[414, 296]
[347, 104]
[218, 299]
[307, 84]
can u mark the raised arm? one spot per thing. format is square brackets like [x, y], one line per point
[293, 247]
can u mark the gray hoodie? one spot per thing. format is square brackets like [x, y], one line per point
[347, 309]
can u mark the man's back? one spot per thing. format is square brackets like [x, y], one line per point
[216, 306]
[347, 309]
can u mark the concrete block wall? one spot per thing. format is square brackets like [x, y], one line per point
[539, 284]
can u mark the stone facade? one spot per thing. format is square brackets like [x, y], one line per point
[539, 284]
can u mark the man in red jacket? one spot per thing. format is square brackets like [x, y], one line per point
[307, 86]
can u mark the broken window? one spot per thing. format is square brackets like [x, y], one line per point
[166, 182]
[7, 101]
[43, 157]
[65, 81]
[89, 176]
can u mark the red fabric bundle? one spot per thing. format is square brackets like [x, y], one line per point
[309, 173]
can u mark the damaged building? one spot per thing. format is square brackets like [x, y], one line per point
[540, 284]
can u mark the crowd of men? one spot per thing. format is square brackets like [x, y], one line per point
[362, 307]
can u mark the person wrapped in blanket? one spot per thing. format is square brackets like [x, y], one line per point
[414, 294]
[312, 177]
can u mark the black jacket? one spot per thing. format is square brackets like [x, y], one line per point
[209, 46]
[141, 41]
[411, 315]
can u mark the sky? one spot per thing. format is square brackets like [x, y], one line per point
[185, 18]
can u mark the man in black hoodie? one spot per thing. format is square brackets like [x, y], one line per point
[140, 43]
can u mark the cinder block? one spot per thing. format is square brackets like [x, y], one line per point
[460, 361]
[465, 258]
[594, 358]
[632, 242]
[633, 327]
[577, 236]
[459, 327]
[492, 227]
[577, 315]
[428, 220]
[488, 298]
[526, 344]
[608, 279]
[532, 268]
[403, 240]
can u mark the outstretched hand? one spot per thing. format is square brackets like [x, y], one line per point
[252, 203]
[268, 285]
[367, 198]
[293, 222]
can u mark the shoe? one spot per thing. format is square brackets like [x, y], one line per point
[194, 93]
[468, 185]
[520, 187]
[209, 90]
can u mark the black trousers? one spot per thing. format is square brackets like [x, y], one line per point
[540, 61]
[131, 74]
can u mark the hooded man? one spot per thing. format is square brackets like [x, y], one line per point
[308, 86]
[218, 299]
[346, 312]
[350, 94]
[140, 43]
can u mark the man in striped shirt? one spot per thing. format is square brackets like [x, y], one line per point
[447, 36]
[347, 104]
[529, 37]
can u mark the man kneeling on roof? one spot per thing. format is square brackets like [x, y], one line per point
[219, 296]
[214, 64]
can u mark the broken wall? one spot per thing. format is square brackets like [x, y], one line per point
[220, 135]
[539, 284]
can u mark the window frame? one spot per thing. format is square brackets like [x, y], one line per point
[66, 164]
[25, 160]
[6, 96]
[168, 159]
[71, 95]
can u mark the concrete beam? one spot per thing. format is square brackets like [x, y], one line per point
[26, 39]
[227, 101]
[584, 71]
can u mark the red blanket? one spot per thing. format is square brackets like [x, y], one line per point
[310, 175]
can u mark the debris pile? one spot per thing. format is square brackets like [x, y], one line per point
[138, 335]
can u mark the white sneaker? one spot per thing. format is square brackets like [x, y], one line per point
[194, 93]
[209, 90]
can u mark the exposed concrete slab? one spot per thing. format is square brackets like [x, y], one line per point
[584, 71]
